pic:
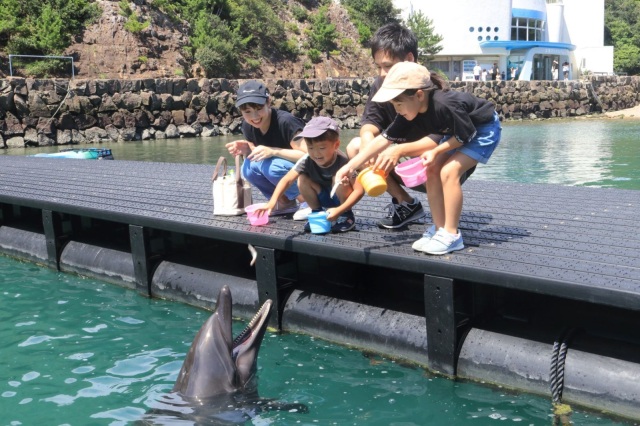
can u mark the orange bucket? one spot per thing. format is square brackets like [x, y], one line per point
[373, 181]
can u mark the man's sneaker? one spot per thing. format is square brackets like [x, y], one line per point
[443, 242]
[399, 214]
[302, 212]
[346, 222]
[426, 237]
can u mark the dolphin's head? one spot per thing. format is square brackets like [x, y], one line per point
[217, 364]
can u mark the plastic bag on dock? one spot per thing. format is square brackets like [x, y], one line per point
[231, 193]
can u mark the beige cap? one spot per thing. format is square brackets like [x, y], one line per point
[403, 76]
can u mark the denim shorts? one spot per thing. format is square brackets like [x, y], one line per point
[484, 143]
[326, 200]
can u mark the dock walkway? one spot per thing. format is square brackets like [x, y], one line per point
[546, 243]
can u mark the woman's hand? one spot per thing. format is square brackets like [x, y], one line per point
[266, 209]
[240, 147]
[261, 152]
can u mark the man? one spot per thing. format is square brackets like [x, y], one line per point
[392, 43]
[477, 70]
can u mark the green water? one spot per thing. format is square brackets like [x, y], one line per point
[77, 351]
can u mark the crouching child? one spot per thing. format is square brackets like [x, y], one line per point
[315, 173]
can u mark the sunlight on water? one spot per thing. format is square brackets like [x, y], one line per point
[77, 351]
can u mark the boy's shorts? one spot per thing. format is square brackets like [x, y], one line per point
[484, 143]
[326, 200]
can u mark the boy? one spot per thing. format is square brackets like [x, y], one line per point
[315, 175]
[269, 147]
[424, 103]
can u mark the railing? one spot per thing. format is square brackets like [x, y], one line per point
[40, 56]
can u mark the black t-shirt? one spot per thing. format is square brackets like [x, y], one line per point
[449, 113]
[284, 126]
[382, 114]
[320, 175]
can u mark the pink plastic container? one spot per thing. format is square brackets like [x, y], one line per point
[254, 218]
[412, 172]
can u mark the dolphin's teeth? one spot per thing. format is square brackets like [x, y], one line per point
[249, 328]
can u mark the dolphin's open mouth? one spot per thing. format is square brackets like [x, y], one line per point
[256, 327]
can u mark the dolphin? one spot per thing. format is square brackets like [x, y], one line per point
[217, 383]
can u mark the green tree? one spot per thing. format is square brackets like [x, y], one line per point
[48, 34]
[622, 31]
[323, 32]
[428, 40]
[43, 27]
[9, 21]
[217, 46]
[369, 15]
[257, 22]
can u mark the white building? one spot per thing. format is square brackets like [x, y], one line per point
[527, 34]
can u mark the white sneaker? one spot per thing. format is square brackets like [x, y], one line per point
[443, 243]
[426, 237]
[303, 211]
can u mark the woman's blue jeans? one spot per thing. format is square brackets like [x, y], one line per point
[266, 174]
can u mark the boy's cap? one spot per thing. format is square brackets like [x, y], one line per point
[316, 127]
[252, 92]
[403, 76]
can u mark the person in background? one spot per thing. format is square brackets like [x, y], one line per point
[315, 172]
[514, 71]
[495, 71]
[565, 70]
[472, 131]
[554, 70]
[392, 43]
[477, 70]
[485, 74]
[269, 147]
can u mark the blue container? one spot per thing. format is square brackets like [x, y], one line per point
[318, 223]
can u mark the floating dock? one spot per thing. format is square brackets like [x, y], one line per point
[544, 298]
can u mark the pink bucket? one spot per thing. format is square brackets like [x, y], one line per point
[253, 217]
[412, 172]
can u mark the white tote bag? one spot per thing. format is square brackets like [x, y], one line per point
[231, 193]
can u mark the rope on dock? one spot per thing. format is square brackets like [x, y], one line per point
[558, 357]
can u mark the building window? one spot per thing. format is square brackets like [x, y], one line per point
[488, 38]
[523, 29]
[479, 38]
[496, 29]
[471, 29]
[479, 29]
[488, 29]
[440, 65]
[496, 38]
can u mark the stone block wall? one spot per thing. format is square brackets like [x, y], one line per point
[60, 112]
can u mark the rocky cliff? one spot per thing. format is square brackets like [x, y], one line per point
[105, 50]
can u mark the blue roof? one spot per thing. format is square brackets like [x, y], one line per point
[529, 13]
[525, 45]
